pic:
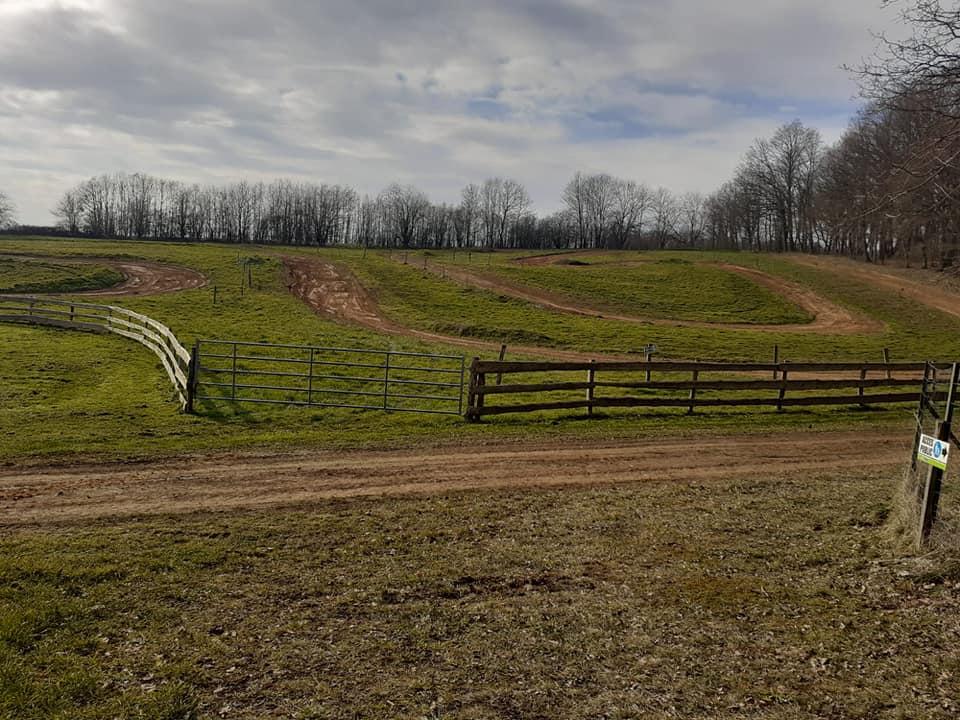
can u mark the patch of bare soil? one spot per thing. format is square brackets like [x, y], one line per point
[140, 277]
[828, 318]
[334, 292]
[39, 495]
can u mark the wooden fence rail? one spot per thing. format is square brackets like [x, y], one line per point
[891, 377]
[92, 317]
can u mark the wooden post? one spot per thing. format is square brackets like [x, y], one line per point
[503, 352]
[693, 391]
[886, 360]
[783, 388]
[931, 493]
[249, 276]
[920, 412]
[776, 360]
[648, 356]
[214, 294]
[72, 313]
[863, 376]
[472, 415]
[481, 398]
[193, 374]
[591, 380]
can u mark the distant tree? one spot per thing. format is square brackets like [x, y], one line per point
[6, 211]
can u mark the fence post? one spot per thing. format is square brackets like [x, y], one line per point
[503, 352]
[863, 376]
[783, 387]
[931, 493]
[233, 392]
[648, 356]
[72, 312]
[886, 361]
[472, 414]
[193, 374]
[310, 378]
[693, 390]
[386, 381]
[923, 402]
[591, 380]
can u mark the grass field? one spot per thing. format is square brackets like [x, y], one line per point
[668, 288]
[28, 276]
[70, 393]
[732, 599]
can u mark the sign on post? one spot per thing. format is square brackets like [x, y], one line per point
[933, 451]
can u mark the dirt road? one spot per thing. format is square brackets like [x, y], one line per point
[231, 482]
[828, 318]
[140, 277]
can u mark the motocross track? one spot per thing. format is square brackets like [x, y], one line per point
[926, 293]
[828, 318]
[229, 482]
[140, 277]
[334, 292]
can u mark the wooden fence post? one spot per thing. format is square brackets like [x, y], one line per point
[472, 414]
[931, 493]
[783, 387]
[310, 378]
[591, 385]
[193, 377]
[863, 376]
[503, 352]
[776, 360]
[233, 394]
[693, 391]
[648, 356]
[886, 361]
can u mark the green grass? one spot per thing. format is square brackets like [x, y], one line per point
[775, 598]
[66, 393]
[18, 275]
[666, 288]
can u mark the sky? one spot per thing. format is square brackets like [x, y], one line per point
[437, 93]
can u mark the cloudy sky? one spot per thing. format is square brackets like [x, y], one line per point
[433, 92]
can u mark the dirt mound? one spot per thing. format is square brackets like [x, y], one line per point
[38, 496]
[140, 277]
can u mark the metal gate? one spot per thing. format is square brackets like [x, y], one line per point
[249, 372]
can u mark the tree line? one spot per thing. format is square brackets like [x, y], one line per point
[890, 187]
[600, 211]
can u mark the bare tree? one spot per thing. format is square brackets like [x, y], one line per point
[6, 211]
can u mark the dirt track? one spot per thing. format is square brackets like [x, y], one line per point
[829, 318]
[334, 292]
[233, 482]
[140, 277]
[924, 292]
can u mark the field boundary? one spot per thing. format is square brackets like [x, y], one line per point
[92, 317]
[737, 391]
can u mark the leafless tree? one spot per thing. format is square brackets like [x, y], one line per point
[6, 211]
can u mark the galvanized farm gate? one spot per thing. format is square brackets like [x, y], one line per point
[391, 380]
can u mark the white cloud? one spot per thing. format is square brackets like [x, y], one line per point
[437, 93]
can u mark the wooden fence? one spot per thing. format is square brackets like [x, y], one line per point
[105, 319]
[660, 384]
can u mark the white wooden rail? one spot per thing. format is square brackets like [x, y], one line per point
[33, 310]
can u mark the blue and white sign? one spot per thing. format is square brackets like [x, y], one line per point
[934, 451]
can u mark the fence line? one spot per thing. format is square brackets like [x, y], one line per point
[314, 376]
[732, 390]
[92, 317]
